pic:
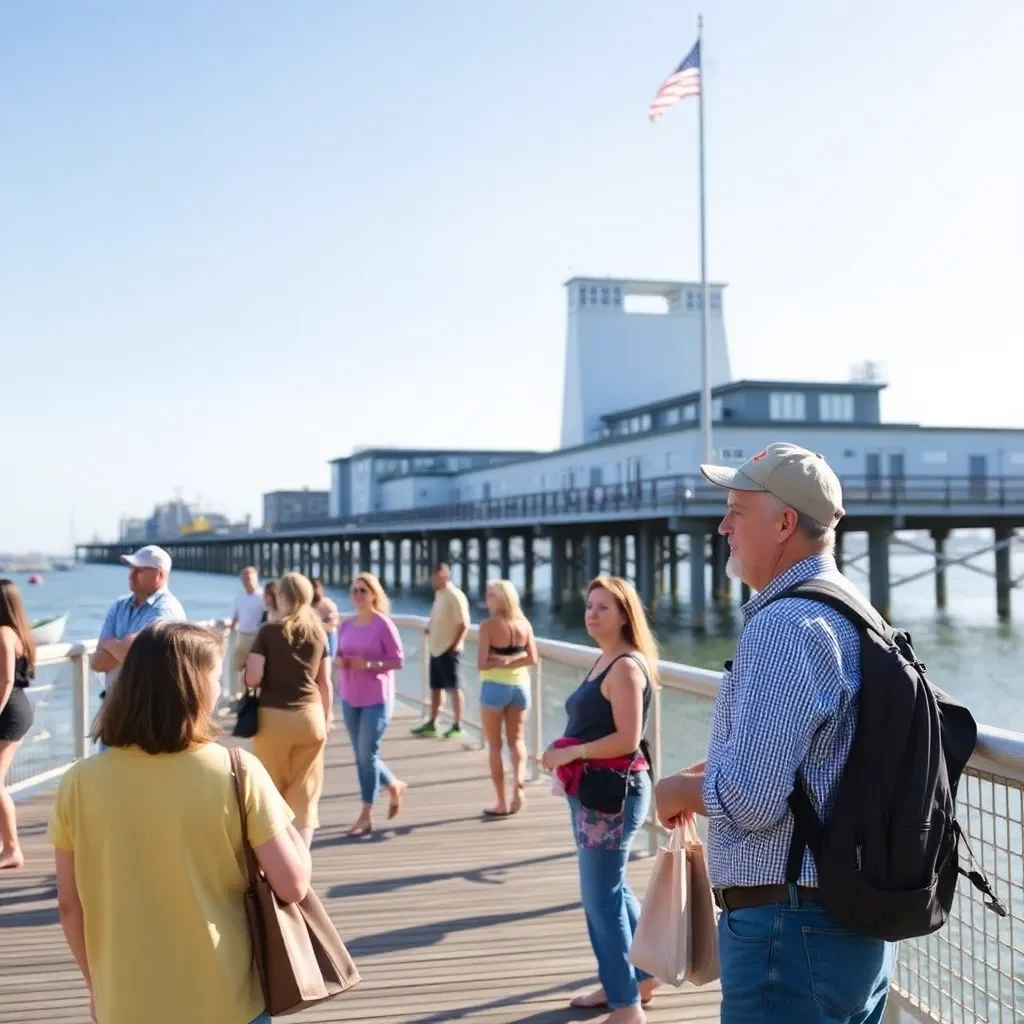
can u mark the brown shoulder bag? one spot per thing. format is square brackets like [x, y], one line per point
[299, 955]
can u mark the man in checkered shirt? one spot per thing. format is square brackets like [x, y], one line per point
[788, 703]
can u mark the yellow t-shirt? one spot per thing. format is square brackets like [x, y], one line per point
[448, 614]
[158, 862]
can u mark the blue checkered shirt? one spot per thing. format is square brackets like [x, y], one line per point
[788, 703]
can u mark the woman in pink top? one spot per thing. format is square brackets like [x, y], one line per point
[369, 651]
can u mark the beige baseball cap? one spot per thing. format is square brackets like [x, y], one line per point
[800, 478]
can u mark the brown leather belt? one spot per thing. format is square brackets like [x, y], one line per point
[740, 897]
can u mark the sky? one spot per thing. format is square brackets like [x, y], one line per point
[238, 239]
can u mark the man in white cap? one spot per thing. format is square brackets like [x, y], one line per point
[787, 705]
[149, 601]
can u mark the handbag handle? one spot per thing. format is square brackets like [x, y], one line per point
[252, 868]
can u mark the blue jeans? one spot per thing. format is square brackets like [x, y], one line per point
[792, 964]
[611, 909]
[366, 729]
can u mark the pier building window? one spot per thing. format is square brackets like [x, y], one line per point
[690, 412]
[645, 421]
[787, 405]
[670, 416]
[835, 408]
[716, 302]
[583, 295]
[689, 300]
[605, 295]
[716, 409]
[616, 296]
[935, 458]
[593, 295]
[732, 454]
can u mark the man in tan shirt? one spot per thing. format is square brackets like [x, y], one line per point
[446, 634]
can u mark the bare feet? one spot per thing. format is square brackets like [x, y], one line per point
[518, 801]
[598, 1000]
[497, 811]
[363, 827]
[626, 1015]
[12, 859]
[397, 790]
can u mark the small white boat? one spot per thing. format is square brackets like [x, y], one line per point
[49, 631]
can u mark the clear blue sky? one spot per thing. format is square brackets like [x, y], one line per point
[237, 239]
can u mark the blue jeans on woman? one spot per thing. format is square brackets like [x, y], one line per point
[611, 909]
[366, 729]
[790, 963]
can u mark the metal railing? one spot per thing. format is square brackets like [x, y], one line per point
[971, 970]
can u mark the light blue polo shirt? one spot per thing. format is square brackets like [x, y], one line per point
[126, 617]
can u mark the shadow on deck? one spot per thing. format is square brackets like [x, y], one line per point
[450, 916]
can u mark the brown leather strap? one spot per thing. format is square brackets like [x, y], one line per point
[238, 769]
[741, 897]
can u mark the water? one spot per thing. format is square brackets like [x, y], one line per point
[968, 651]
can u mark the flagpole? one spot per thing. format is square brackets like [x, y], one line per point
[705, 345]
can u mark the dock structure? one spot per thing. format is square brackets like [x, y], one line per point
[450, 917]
[643, 531]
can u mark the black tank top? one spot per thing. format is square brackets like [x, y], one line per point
[22, 673]
[590, 712]
[512, 648]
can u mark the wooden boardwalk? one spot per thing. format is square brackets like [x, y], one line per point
[449, 916]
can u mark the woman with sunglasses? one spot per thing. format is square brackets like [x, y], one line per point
[369, 651]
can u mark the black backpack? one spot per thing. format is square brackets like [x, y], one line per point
[888, 859]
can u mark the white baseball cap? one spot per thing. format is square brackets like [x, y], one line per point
[149, 557]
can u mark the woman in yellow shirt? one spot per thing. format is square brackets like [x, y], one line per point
[150, 869]
[506, 650]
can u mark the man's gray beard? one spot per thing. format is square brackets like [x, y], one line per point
[734, 568]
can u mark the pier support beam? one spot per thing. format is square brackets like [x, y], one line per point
[645, 568]
[483, 566]
[616, 559]
[557, 569]
[878, 567]
[672, 554]
[698, 598]
[719, 556]
[591, 557]
[505, 556]
[941, 595]
[1004, 580]
[464, 564]
[528, 566]
[397, 572]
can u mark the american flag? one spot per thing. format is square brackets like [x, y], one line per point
[683, 82]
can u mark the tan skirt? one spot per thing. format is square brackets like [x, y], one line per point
[290, 743]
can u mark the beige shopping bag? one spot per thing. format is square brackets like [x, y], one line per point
[676, 938]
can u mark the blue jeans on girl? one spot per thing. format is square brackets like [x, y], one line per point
[611, 909]
[366, 728]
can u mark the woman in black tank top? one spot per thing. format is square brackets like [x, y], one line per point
[607, 716]
[17, 666]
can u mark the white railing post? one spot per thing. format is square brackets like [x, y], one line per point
[536, 721]
[654, 743]
[80, 704]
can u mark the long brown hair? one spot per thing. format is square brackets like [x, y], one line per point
[12, 613]
[301, 624]
[635, 631]
[161, 698]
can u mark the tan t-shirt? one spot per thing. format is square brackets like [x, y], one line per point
[289, 676]
[448, 614]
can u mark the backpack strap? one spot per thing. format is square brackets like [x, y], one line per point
[850, 606]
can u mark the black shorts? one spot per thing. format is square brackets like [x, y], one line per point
[444, 671]
[16, 717]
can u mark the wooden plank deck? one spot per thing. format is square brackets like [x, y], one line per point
[449, 916]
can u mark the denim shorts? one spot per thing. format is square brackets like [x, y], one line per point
[500, 696]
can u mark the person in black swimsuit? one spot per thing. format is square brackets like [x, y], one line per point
[608, 714]
[17, 667]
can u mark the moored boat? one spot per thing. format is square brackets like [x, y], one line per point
[49, 631]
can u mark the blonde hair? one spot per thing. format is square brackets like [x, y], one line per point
[508, 599]
[301, 624]
[378, 598]
[635, 631]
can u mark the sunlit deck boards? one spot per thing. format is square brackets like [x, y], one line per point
[449, 917]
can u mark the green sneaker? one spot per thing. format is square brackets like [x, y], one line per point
[454, 733]
[426, 729]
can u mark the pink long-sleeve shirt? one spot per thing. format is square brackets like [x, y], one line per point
[378, 640]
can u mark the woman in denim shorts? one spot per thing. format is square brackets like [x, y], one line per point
[506, 650]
